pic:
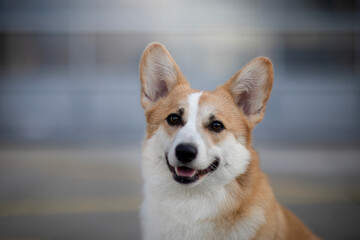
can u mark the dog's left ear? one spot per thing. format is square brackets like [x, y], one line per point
[251, 87]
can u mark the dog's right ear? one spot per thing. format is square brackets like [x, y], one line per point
[159, 74]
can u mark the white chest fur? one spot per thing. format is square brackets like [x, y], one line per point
[171, 218]
[176, 217]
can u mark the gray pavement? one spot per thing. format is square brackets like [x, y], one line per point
[95, 193]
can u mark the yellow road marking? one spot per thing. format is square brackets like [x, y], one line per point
[79, 169]
[2, 238]
[311, 196]
[70, 206]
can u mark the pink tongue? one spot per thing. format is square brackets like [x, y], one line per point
[185, 171]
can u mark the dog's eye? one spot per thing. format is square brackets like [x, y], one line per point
[216, 126]
[173, 119]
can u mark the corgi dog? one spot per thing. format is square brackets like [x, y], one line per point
[202, 178]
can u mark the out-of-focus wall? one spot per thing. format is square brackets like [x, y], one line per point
[69, 69]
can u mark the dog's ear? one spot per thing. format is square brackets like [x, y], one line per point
[159, 74]
[251, 87]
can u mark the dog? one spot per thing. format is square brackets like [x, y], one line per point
[202, 178]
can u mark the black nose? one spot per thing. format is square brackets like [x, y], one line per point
[185, 152]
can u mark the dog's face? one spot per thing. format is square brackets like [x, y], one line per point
[198, 138]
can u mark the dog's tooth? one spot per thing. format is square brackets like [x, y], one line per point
[194, 173]
[176, 171]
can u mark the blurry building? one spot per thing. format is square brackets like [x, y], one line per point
[69, 69]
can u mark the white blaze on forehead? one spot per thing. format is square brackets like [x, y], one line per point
[189, 133]
[193, 100]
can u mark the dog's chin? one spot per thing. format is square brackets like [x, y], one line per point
[186, 175]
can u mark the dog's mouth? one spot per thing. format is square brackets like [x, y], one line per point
[186, 175]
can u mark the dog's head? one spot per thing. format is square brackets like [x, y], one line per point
[198, 138]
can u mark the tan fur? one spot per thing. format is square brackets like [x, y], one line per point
[250, 191]
[224, 110]
[157, 114]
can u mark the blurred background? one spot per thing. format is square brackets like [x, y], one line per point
[71, 123]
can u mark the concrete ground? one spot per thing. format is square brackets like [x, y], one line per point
[95, 193]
